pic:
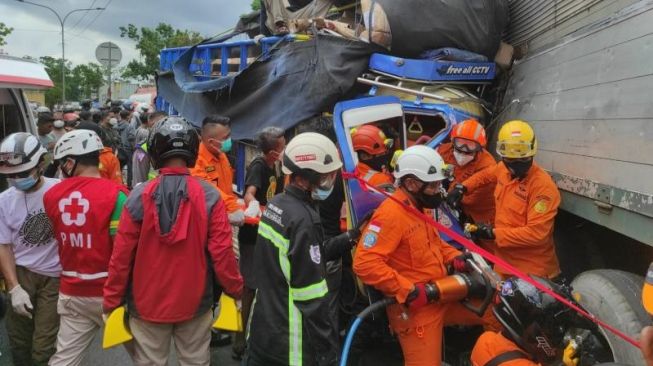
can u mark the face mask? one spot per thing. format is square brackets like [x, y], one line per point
[113, 121]
[429, 200]
[519, 169]
[59, 124]
[378, 162]
[320, 194]
[462, 159]
[23, 184]
[226, 145]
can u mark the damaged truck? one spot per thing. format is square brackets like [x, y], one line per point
[577, 70]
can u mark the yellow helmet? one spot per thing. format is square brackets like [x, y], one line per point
[516, 140]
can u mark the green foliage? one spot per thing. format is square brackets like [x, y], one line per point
[256, 5]
[81, 81]
[149, 42]
[4, 32]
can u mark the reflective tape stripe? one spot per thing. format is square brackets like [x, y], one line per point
[370, 173]
[282, 245]
[85, 276]
[478, 131]
[311, 292]
[295, 356]
[114, 224]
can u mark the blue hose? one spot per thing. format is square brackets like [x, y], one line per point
[357, 322]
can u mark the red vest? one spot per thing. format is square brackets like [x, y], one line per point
[80, 210]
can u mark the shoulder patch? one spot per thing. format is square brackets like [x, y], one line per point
[374, 226]
[210, 168]
[316, 256]
[369, 240]
[541, 206]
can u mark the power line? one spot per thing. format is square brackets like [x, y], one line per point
[96, 16]
[83, 16]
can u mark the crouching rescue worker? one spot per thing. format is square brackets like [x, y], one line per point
[526, 201]
[84, 210]
[373, 150]
[290, 322]
[467, 154]
[173, 244]
[534, 325]
[403, 257]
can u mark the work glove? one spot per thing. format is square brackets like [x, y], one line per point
[459, 264]
[455, 196]
[422, 294]
[253, 209]
[484, 231]
[355, 233]
[20, 301]
[237, 218]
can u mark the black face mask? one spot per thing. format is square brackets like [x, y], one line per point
[519, 169]
[378, 162]
[431, 201]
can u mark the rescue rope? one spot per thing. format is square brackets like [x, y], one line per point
[491, 257]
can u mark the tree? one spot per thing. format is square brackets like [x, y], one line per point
[149, 42]
[256, 5]
[81, 81]
[4, 32]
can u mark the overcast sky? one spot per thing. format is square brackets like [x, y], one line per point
[37, 31]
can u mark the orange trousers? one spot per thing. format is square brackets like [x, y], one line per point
[422, 346]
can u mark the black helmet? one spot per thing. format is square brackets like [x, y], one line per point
[532, 319]
[173, 137]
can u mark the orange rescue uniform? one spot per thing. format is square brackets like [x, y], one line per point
[396, 251]
[373, 177]
[479, 205]
[525, 214]
[110, 166]
[217, 171]
[490, 345]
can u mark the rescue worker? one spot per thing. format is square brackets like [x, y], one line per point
[263, 181]
[28, 251]
[290, 322]
[467, 154]
[373, 148]
[213, 164]
[86, 207]
[526, 201]
[172, 250]
[401, 255]
[534, 325]
[109, 164]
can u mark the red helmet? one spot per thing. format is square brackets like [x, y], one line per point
[370, 139]
[469, 130]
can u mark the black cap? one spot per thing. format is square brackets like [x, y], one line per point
[45, 117]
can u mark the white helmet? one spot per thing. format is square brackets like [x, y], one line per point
[421, 161]
[42, 109]
[76, 143]
[20, 152]
[310, 150]
[144, 108]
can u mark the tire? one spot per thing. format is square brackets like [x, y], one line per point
[615, 297]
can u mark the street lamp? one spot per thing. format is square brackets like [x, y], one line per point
[63, 46]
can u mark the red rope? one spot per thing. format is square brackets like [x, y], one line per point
[492, 258]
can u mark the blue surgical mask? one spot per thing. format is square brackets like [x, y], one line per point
[226, 145]
[320, 194]
[23, 184]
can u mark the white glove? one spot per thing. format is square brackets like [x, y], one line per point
[237, 218]
[253, 209]
[20, 301]
[239, 305]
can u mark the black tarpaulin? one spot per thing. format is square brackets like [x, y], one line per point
[420, 25]
[298, 81]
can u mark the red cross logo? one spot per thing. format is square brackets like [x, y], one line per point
[73, 209]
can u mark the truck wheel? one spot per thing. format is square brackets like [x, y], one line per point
[615, 297]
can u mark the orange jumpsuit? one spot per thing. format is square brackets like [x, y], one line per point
[396, 251]
[525, 213]
[490, 345]
[110, 166]
[218, 172]
[478, 205]
[374, 177]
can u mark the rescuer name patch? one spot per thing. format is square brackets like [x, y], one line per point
[370, 240]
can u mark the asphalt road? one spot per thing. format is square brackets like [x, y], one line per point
[115, 356]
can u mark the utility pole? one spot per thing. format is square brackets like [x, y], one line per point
[62, 22]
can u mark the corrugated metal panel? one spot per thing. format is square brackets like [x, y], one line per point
[536, 22]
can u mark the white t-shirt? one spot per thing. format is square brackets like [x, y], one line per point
[24, 224]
